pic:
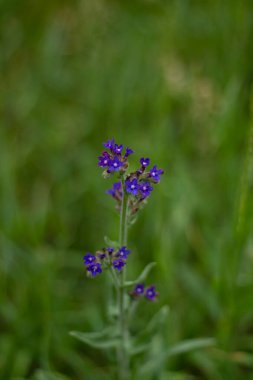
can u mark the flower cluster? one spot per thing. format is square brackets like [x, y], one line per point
[105, 258]
[138, 185]
[140, 290]
[113, 158]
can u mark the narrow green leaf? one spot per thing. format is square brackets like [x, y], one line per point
[142, 276]
[95, 342]
[188, 345]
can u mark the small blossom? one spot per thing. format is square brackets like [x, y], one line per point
[151, 294]
[123, 252]
[155, 173]
[118, 264]
[139, 289]
[109, 144]
[89, 258]
[101, 255]
[104, 159]
[128, 152]
[117, 149]
[110, 250]
[94, 269]
[115, 187]
[132, 187]
[114, 164]
[145, 189]
[144, 162]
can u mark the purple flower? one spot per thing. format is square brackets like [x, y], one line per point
[128, 152]
[101, 255]
[118, 264]
[115, 187]
[109, 144]
[151, 294]
[132, 187]
[114, 164]
[155, 173]
[117, 148]
[104, 159]
[123, 252]
[89, 258]
[110, 250]
[145, 189]
[144, 162]
[139, 290]
[94, 269]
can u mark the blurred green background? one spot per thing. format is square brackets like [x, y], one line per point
[172, 80]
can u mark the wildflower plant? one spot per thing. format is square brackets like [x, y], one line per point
[130, 192]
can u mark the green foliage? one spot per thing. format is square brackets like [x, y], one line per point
[172, 80]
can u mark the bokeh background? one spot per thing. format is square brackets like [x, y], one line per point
[172, 80]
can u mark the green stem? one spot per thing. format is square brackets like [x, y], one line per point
[123, 361]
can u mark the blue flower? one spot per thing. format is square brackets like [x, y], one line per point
[128, 152]
[110, 250]
[151, 294]
[117, 149]
[144, 162]
[89, 258]
[104, 159]
[132, 187]
[139, 289]
[123, 252]
[145, 189]
[118, 264]
[114, 164]
[109, 144]
[94, 269]
[155, 173]
[115, 187]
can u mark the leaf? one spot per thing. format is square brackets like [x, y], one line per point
[46, 375]
[192, 344]
[158, 319]
[142, 276]
[95, 341]
[111, 243]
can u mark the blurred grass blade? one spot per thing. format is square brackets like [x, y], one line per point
[102, 343]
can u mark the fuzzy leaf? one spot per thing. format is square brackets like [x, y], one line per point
[111, 243]
[96, 340]
[158, 320]
[188, 345]
[142, 276]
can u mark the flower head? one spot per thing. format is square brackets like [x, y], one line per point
[94, 269]
[155, 173]
[116, 187]
[104, 159]
[123, 252]
[117, 149]
[144, 162]
[114, 164]
[132, 187]
[89, 258]
[109, 144]
[110, 250]
[128, 152]
[139, 289]
[118, 264]
[145, 189]
[151, 294]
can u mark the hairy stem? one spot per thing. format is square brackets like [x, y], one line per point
[123, 361]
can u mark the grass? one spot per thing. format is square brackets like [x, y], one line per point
[173, 80]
